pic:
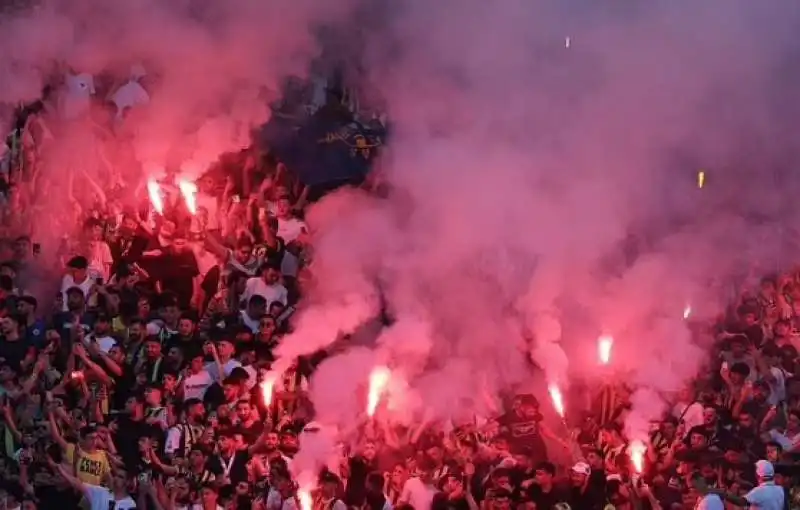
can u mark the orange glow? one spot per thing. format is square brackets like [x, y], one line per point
[154, 191]
[557, 398]
[267, 388]
[189, 190]
[636, 451]
[304, 495]
[604, 345]
[378, 380]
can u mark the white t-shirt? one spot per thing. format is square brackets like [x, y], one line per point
[196, 385]
[778, 389]
[228, 367]
[104, 342]
[692, 417]
[67, 283]
[252, 324]
[417, 494]
[290, 229]
[710, 502]
[272, 293]
[788, 443]
[100, 260]
[276, 502]
[100, 498]
[767, 496]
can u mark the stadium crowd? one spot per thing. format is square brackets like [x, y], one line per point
[133, 379]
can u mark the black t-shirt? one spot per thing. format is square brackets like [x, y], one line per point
[590, 499]
[237, 472]
[547, 500]
[14, 352]
[523, 434]
[176, 272]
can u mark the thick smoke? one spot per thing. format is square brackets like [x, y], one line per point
[210, 70]
[544, 194]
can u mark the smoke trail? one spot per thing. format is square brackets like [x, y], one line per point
[534, 184]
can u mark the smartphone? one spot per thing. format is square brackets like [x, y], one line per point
[236, 199]
[37, 248]
[76, 374]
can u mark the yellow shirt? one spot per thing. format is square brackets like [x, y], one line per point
[90, 468]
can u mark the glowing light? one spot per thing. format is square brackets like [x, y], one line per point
[189, 190]
[636, 451]
[267, 388]
[378, 380]
[304, 496]
[557, 398]
[567, 42]
[604, 345]
[154, 192]
[687, 312]
[701, 179]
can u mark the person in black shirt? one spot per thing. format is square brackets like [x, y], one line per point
[582, 495]
[14, 348]
[523, 423]
[176, 268]
[128, 246]
[543, 491]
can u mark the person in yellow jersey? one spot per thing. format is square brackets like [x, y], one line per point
[90, 463]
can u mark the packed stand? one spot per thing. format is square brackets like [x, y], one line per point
[137, 383]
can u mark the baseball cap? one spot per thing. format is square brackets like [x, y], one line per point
[764, 469]
[710, 502]
[582, 468]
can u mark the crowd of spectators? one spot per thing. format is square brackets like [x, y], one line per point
[134, 381]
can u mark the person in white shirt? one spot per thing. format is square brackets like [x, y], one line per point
[710, 502]
[688, 410]
[256, 309]
[100, 498]
[77, 276]
[267, 285]
[789, 438]
[224, 362]
[418, 491]
[196, 380]
[208, 498]
[765, 496]
[289, 227]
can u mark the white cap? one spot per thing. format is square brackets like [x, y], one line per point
[764, 469]
[710, 502]
[153, 329]
[582, 468]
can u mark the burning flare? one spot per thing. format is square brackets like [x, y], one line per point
[636, 451]
[189, 190]
[267, 387]
[604, 345]
[378, 380]
[687, 312]
[154, 191]
[557, 398]
[304, 496]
